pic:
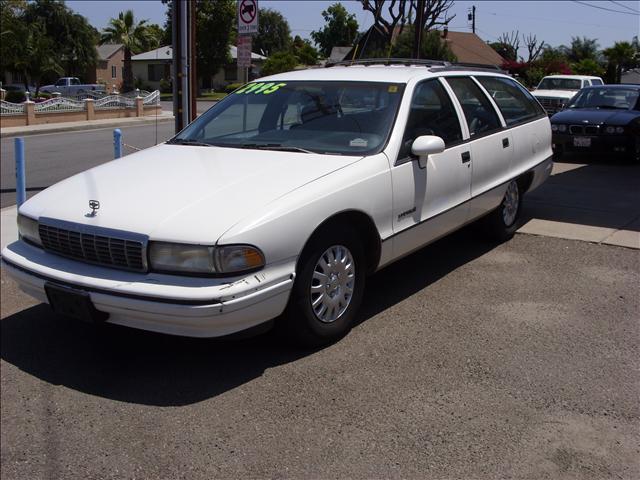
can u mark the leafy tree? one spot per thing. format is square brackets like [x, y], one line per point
[133, 35]
[621, 55]
[505, 51]
[36, 56]
[341, 29]
[279, 62]
[587, 66]
[581, 49]
[304, 51]
[155, 37]
[215, 23]
[274, 34]
[431, 46]
[214, 33]
[73, 37]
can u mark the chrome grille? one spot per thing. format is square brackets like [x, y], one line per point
[106, 247]
[550, 104]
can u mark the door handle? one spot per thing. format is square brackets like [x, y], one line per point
[466, 157]
[505, 142]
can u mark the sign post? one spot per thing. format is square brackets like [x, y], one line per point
[247, 26]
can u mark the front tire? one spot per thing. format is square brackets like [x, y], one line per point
[502, 223]
[327, 292]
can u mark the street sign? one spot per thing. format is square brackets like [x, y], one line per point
[247, 17]
[244, 51]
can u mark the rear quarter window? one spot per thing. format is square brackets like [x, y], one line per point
[516, 104]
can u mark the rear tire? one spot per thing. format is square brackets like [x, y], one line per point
[502, 223]
[328, 289]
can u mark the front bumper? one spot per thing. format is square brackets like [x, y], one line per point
[189, 306]
[619, 144]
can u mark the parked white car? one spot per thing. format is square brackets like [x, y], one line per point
[554, 91]
[282, 198]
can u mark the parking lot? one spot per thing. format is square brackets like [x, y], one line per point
[470, 360]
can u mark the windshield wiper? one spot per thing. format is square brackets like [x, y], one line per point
[185, 141]
[274, 146]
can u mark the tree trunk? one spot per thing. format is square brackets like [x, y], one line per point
[127, 80]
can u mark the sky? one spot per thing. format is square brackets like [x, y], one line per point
[553, 21]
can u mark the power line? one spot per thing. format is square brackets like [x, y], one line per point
[553, 20]
[604, 8]
[624, 6]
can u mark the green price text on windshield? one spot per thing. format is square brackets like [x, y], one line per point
[260, 88]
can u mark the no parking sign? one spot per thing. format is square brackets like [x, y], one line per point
[247, 17]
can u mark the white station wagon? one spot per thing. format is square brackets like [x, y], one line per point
[279, 201]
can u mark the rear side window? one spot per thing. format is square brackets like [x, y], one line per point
[515, 103]
[481, 117]
[595, 81]
[431, 113]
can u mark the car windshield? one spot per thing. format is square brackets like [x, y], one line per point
[559, 84]
[348, 118]
[607, 98]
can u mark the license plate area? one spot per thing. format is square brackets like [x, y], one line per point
[581, 142]
[73, 303]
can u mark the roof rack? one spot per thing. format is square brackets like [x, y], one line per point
[470, 66]
[439, 65]
[389, 61]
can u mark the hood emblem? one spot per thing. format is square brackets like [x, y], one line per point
[94, 205]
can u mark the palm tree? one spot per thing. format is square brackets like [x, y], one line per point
[132, 35]
[622, 54]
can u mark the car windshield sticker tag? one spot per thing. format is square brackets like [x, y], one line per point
[392, 89]
[260, 88]
[358, 142]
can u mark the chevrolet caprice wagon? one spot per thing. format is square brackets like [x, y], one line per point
[279, 201]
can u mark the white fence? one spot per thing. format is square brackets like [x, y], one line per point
[64, 104]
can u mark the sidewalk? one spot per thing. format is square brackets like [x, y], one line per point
[165, 116]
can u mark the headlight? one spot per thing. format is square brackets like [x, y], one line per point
[562, 128]
[619, 129]
[28, 229]
[180, 257]
[238, 258]
[554, 128]
[610, 129]
[203, 259]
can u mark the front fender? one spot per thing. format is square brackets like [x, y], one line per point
[282, 228]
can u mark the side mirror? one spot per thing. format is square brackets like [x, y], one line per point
[426, 145]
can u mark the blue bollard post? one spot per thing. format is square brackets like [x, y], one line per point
[117, 143]
[21, 188]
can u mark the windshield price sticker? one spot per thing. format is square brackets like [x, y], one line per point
[260, 88]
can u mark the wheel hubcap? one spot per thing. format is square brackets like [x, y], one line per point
[332, 284]
[510, 204]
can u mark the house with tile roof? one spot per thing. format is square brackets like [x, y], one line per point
[108, 70]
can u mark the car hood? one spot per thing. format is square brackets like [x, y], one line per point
[568, 94]
[595, 116]
[181, 193]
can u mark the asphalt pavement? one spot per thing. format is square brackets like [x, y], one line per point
[52, 157]
[471, 360]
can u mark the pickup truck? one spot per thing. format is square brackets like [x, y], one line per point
[72, 86]
[554, 91]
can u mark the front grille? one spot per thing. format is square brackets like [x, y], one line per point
[550, 104]
[584, 130]
[109, 248]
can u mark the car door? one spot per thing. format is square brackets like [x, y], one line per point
[430, 194]
[491, 146]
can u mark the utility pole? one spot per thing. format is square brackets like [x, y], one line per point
[417, 26]
[472, 18]
[185, 85]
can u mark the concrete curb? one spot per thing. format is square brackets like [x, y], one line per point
[9, 132]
